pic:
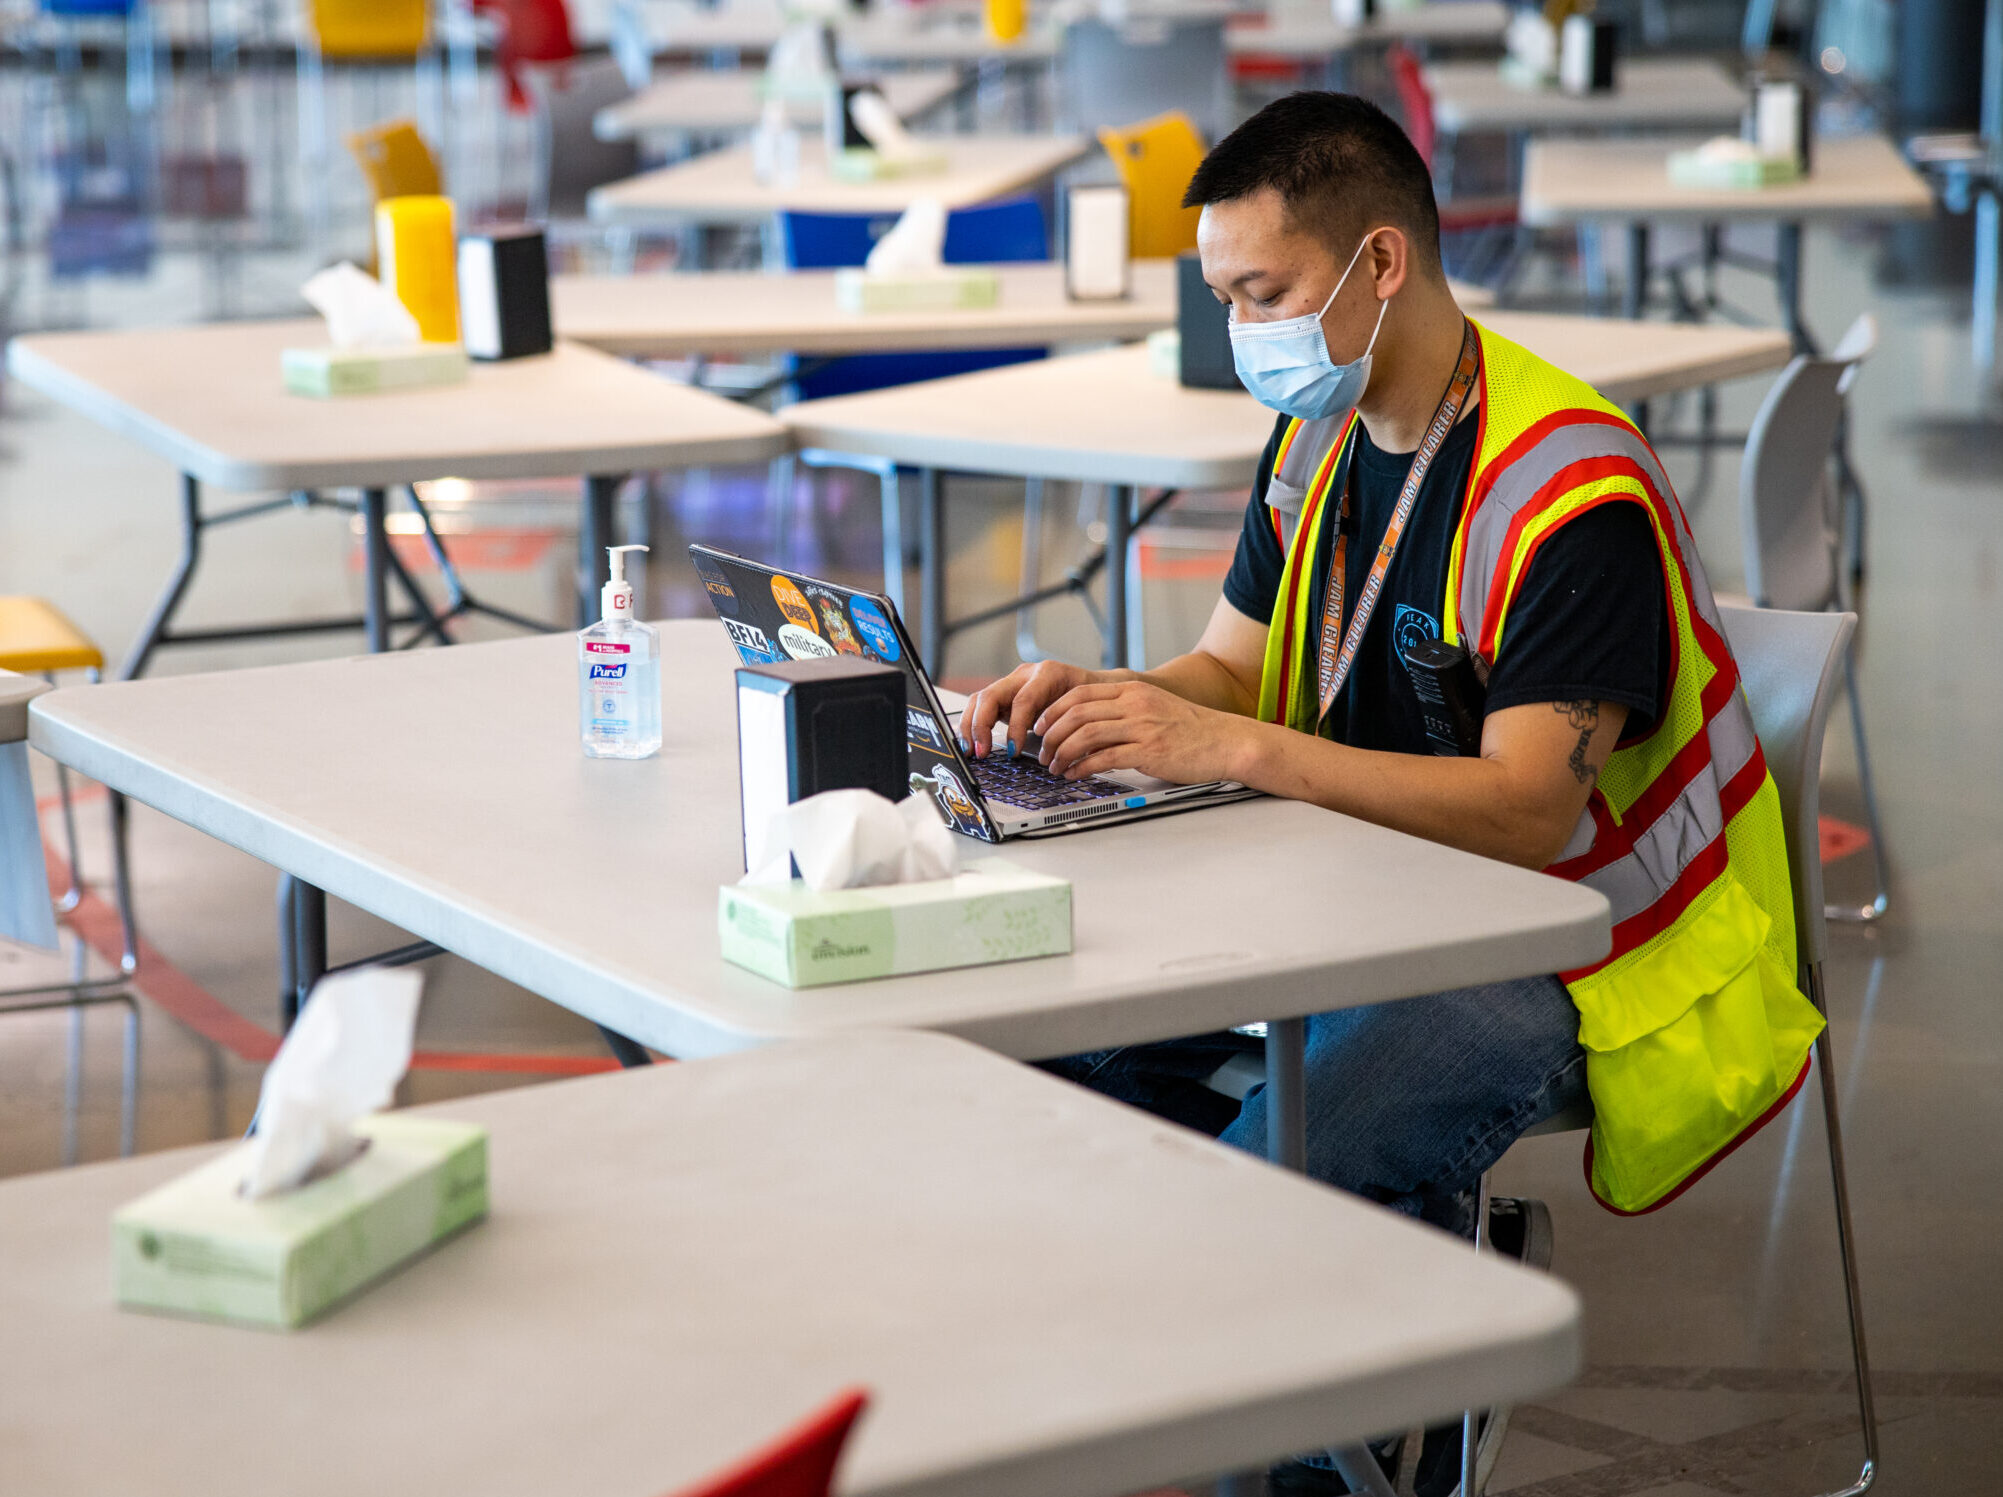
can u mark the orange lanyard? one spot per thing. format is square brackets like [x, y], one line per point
[1339, 647]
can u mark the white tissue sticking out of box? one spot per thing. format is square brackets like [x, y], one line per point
[853, 839]
[341, 1061]
[915, 244]
[881, 127]
[361, 312]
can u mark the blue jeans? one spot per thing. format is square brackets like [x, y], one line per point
[1408, 1103]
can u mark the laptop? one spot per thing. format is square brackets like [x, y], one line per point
[772, 616]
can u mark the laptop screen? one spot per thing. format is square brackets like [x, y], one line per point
[773, 616]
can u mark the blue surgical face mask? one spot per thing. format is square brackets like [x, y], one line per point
[1286, 367]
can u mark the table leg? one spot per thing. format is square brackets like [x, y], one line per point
[1787, 278]
[932, 568]
[177, 585]
[629, 1053]
[1119, 528]
[1986, 260]
[1286, 1093]
[1634, 294]
[375, 568]
[594, 534]
[302, 942]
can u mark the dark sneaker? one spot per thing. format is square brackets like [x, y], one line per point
[1520, 1228]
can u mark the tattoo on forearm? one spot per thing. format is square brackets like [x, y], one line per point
[1585, 716]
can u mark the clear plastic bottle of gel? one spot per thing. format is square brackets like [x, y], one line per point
[619, 676]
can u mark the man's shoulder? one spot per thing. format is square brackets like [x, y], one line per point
[1526, 384]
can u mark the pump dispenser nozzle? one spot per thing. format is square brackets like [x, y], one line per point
[617, 598]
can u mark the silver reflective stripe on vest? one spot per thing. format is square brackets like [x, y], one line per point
[1287, 486]
[1520, 482]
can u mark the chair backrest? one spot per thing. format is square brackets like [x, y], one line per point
[396, 161]
[1114, 73]
[368, 28]
[1791, 664]
[1155, 159]
[800, 1463]
[577, 160]
[989, 234]
[1785, 509]
[1415, 100]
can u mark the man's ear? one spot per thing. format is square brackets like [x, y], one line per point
[1390, 260]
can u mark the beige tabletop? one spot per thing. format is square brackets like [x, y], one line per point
[1568, 181]
[209, 400]
[1046, 1294]
[719, 187]
[1105, 418]
[661, 316]
[729, 312]
[593, 882]
[957, 38]
[1662, 93]
[1299, 33]
[726, 100]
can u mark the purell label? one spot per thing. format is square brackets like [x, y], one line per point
[606, 647]
[607, 672]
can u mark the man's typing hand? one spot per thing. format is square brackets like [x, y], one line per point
[1131, 724]
[1019, 698]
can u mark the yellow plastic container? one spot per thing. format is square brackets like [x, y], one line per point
[418, 256]
[368, 28]
[1007, 18]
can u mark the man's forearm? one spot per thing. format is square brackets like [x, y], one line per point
[1201, 678]
[1468, 803]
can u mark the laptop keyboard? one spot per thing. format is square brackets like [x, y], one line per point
[1025, 783]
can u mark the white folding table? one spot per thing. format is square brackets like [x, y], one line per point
[1650, 93]
[1045, 1293]
[593, 882]
[210, 401]
[729, 101]
[1107, 418]
[721, 188]
[1296, 33]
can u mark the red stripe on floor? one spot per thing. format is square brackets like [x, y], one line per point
[158, 980]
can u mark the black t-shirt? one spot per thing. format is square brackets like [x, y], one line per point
[1589, 622]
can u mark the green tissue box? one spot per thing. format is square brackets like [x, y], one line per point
[992, 912]
[325, 372]
[1692, 169]
[862, 164]
[947, 289]
[195, 1247]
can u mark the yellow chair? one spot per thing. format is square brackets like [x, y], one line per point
[396, 161]
[1156, 158]
[36, 639]
[368, 28]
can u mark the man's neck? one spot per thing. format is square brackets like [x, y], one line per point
[1411, 367]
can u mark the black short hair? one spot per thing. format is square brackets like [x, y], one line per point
[1338, 162]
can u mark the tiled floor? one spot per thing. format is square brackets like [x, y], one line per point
[1715, 1336]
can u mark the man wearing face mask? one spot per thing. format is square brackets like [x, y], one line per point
[1428, 480]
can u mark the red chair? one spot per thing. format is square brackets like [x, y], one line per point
[1489, 222]
[800, 1463]
[531, 31]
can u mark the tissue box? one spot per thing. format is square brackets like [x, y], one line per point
[993, 912]
[195, 1247]
[367, 371]
[862, 164]
[929, 291]
[1694, 169]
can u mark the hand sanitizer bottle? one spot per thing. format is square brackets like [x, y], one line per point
[619, 676]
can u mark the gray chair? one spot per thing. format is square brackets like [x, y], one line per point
[1788, 662]
[20, 838]
[1795, 521]
[1114, 74]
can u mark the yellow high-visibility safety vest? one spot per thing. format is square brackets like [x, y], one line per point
[1694, 1030]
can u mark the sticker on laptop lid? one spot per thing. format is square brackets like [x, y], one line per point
[753, 648]
[951, 797]
[879, 640]
[794, 605]
[834, 623]
[922, 729]
[721, 593]
[803, 644]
